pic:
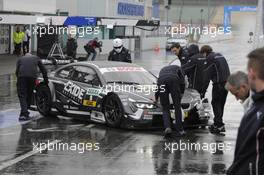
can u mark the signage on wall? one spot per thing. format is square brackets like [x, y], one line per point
[80, 21]
[130, 9]
[229, 9]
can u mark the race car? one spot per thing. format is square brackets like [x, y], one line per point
[116, 93]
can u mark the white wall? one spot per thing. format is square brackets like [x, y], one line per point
[70, 6]
[38, 6]
[151, 43]
[1, 5]
[209, 39]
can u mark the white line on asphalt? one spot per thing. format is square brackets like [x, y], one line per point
[6, 134]
[22, 157]
[41, 130]
[64, 117]
[89, 126]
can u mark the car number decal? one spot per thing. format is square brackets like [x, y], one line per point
[89, 103]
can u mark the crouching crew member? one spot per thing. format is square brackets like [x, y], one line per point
[171, 82]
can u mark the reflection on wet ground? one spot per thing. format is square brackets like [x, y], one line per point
[121, 151]
[8, 94]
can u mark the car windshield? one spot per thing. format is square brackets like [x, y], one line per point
[127, 75]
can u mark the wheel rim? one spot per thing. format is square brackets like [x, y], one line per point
[112, 111]
[42, 99]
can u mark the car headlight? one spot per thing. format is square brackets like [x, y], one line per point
[145, 105]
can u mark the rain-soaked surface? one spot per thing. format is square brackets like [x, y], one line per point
[116, 151]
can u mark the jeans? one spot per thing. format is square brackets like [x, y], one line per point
[25, 86]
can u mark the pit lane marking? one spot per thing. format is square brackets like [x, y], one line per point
[41, 130]
[29, 154]
[89, 126]
[57, 129]
[7, 134]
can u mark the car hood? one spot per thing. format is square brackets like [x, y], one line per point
[148, 96]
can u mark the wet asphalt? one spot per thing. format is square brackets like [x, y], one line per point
[98, 149]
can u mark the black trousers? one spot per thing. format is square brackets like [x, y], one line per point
[25, 86]
[18, 49]
[219, 95]
[171, 88]
[25, 47]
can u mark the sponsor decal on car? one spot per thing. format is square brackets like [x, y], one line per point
[93, 91]
[74, 91]
[154, 113]
[89, 103]
[122, 69]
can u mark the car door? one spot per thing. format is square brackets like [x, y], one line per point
[62, 77]
[87, 79]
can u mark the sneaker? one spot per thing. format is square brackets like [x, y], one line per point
[23, 118]
[167, 132]
[216, 129]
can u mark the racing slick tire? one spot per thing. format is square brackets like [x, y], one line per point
[43, 100]
[113, 111]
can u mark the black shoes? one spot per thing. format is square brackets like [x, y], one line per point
[168, 133]
[216, 129]
[23, 118]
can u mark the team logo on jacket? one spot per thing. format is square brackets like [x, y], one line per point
[259, 114]
[73, 91]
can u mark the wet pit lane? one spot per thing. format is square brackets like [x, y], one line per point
[97, 149]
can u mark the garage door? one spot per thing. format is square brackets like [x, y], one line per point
[4, 39]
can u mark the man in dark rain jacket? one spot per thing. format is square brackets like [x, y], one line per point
[249, 151]
[171, 83]
[194, 69]
[219, 72]
[180, 52]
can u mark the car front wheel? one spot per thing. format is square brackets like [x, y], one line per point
[113, 111]
[43, 100]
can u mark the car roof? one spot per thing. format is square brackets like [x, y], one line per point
[106, 64]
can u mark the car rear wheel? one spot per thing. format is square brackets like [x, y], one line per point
[113, 111]
[43, 100]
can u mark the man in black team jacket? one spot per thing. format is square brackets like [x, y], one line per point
[171, 83]
[194, 69]
[180, 52]
[249, 152]
[219, 72]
